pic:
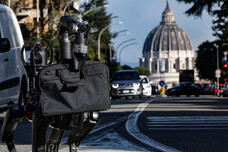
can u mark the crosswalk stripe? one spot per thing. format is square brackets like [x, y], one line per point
[187, 122]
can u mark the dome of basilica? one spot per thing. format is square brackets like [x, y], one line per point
[167, 36]
[167, 50]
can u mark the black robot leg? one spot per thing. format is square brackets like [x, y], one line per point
[54, 140]
[14, 115]
[77, 135]
[39, 131]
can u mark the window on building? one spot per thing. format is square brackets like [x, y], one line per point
[174, 66]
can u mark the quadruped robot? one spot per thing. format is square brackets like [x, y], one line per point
[73, 51]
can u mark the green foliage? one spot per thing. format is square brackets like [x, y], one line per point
[97, 19]
[126, 67]
[142, 71]
[206, 52]
[199, 5]
[114, 66]
[206, 57]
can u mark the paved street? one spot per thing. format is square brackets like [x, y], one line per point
[188, 124]
[155, 124]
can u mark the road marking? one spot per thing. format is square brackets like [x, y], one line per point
[132, 129]
[187, 123]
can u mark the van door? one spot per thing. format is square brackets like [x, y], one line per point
[3, 58]
[11, 59]
[3, 75]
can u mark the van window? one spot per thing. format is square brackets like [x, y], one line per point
[10, 29]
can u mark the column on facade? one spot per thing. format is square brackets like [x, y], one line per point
[190, 63]
[149, 64]
[172, 65]
[158, 68]
[178, 64]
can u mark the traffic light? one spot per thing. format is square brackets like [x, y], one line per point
[225, 65]
[225, 79]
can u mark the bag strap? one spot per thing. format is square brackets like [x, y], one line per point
[79, 61]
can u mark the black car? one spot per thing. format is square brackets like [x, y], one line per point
[184, 88]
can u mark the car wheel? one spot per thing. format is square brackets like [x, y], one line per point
[148, 96]
[224, 94]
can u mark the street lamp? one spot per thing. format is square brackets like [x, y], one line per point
[87, 12]
[217, 65]
[121, 45]
[121, 31]
[37, 18]
[99, 37]
[127, 33]
[124, 48]
[124, 43]
[74, 4]
[76, 7]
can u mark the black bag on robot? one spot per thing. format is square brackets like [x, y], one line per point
[63, 91]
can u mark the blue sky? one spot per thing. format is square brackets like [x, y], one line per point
[139, 17]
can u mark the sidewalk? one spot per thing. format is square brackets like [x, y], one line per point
[111, 142]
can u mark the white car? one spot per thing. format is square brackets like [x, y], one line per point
[147, 89]
[13, 80]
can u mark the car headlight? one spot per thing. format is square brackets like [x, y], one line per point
[136, 84]
[115, 86]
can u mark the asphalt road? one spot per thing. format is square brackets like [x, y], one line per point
[188, 124]
[162, 124]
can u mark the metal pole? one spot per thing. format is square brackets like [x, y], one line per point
[99, 37]
[124, 48]
[217, 65]
[110, 52]
[9, 3]
[122, 44]
[37, 18]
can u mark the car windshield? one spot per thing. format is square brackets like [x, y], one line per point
[176, 86]
[126, 76]
[144, 80]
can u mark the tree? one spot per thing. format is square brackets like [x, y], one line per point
[48, 24]
[199, 5]
[114, 66]
[126, 67]
[97, 20]
[142, 71]
[218, 9]
[206, 55]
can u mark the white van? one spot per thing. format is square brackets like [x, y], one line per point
[13, 81]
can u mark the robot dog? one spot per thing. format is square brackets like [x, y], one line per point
[67, 95]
